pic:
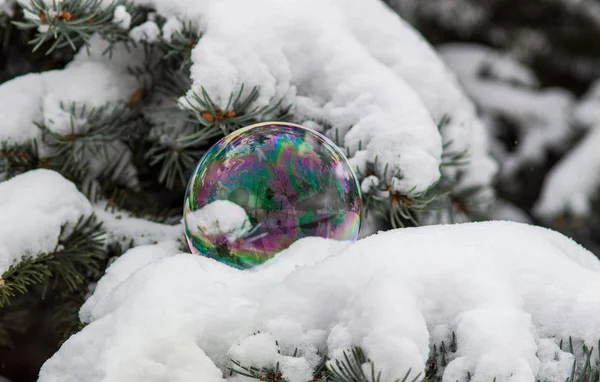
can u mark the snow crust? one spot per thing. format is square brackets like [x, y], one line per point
[33, 207]
[509, 291]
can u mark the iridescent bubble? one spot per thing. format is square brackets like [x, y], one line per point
[265, 186]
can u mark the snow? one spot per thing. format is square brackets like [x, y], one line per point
[171, 27]
[147, 32]
[386, 98]
[31, 216]
[369, 183]
[509, 291]
[542, 117]
[122, 18]
[328, 60]
[47, 96]
[217, 219]
[6, 7]
[122, 228]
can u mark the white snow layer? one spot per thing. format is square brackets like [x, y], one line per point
[33, 207]
[509, 291]
[351, 63]
[354, 64]
[48, 96]
[122, 228]
[220, 218]
[121, 17]
[504, 88]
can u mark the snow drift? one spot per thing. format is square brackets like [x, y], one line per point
[508, 291]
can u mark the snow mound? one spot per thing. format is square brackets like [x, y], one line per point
[33, 207]
[509, 291]
[376, 85]
[378, 88]
[48, 97]
[220, 219]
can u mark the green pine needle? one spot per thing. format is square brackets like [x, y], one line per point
[72, 23]
[76, 255]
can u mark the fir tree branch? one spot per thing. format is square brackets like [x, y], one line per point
[238, 112]
[73, 22]
[178, 156]
[266, 374]
[16, 159]
[76, 255]
[19, 277]
[177, 51]
[350, 369]
[92, 130]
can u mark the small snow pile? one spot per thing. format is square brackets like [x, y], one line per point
[147, 32]
[121, 17]
[508, 291]
[506, 90]
[33, 207]
[49, 98]
[219, 219]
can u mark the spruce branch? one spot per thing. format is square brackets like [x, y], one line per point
[589, 371]
[76, 255]
[91, 132]
[238, 112]
[397, 208]
[16, 159]
[178, 156]
[350, 369]
[178, 49]
[73, 22]
[19, 277]
[265, 374]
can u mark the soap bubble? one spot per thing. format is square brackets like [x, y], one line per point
[265, 186]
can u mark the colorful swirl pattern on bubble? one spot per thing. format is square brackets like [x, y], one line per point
[265, 186]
